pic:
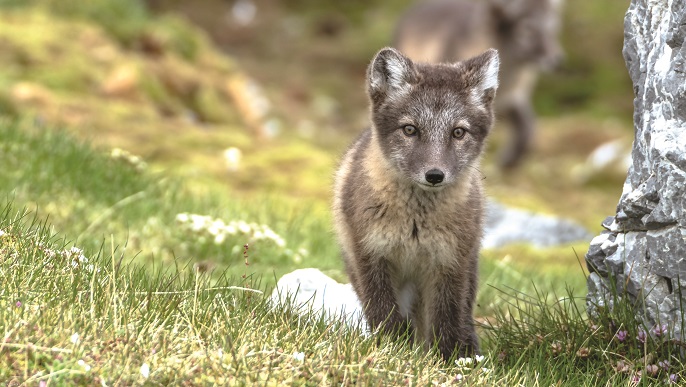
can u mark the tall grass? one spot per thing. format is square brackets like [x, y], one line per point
[101, 284]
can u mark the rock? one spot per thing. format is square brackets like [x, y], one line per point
[647, 253]
[310, 289]
[30, 93]
[252, 104]
[122, 82]
[508, 225]
[232, 158]
[609, 160]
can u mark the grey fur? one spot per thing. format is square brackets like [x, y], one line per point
[525, 32]
[411, 248]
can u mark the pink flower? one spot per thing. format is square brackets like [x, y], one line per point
[660, 330]
[642, 335]
[621, 336]
[664, 364]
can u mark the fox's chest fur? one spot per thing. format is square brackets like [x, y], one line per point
[414, 228]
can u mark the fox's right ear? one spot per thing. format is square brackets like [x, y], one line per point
[390, 73]
[482, 73]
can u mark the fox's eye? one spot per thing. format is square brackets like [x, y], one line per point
[458, 133]
[409, 130]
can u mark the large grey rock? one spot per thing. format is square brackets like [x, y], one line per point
[509, 225]
[643, 249]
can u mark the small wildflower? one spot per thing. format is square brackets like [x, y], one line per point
[18, 304]
[2, 233]
[74, 338]
[145, 370]
[651, 369]
[479, 358]
[621, 336]
[664, 364]
[43, 383]
[459, 377]
[486, 370]
[129, 158]
[642, 335]
[636, 378]
[594, 327]
[464, 361]
[583, 352]
[622, 366]
[299, 356]
[660, 330]
[673, 379]
[83, 365]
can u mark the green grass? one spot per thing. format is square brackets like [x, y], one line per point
[93, 197]
[100, 282]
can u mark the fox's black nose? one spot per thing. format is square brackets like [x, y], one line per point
[434, 176]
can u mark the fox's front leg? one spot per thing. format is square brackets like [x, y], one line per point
[378, 296]
[451, 320]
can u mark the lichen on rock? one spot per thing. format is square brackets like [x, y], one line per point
[642, 252]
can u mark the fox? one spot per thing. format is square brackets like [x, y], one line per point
[408, 198]
[525, 33]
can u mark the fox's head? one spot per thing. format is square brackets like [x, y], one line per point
[430, 120]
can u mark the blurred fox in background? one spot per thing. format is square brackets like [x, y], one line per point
[525, 33]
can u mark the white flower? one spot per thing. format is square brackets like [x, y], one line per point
[182, 218]
[486, 370]
[83, 365]
[74, 339]
[2, 232]
[464, 361]
[219, 238]
[458, 377]
[145, 370]
[243, 227]
[78, 253]
[216, 227]
[198, 222]
[299, 356]
[479, 358]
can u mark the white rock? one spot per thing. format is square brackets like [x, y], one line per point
[310, 289]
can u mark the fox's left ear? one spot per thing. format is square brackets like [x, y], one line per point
[390, 74]
[482, 73]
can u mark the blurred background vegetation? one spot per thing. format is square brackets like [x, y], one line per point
[253, 99]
